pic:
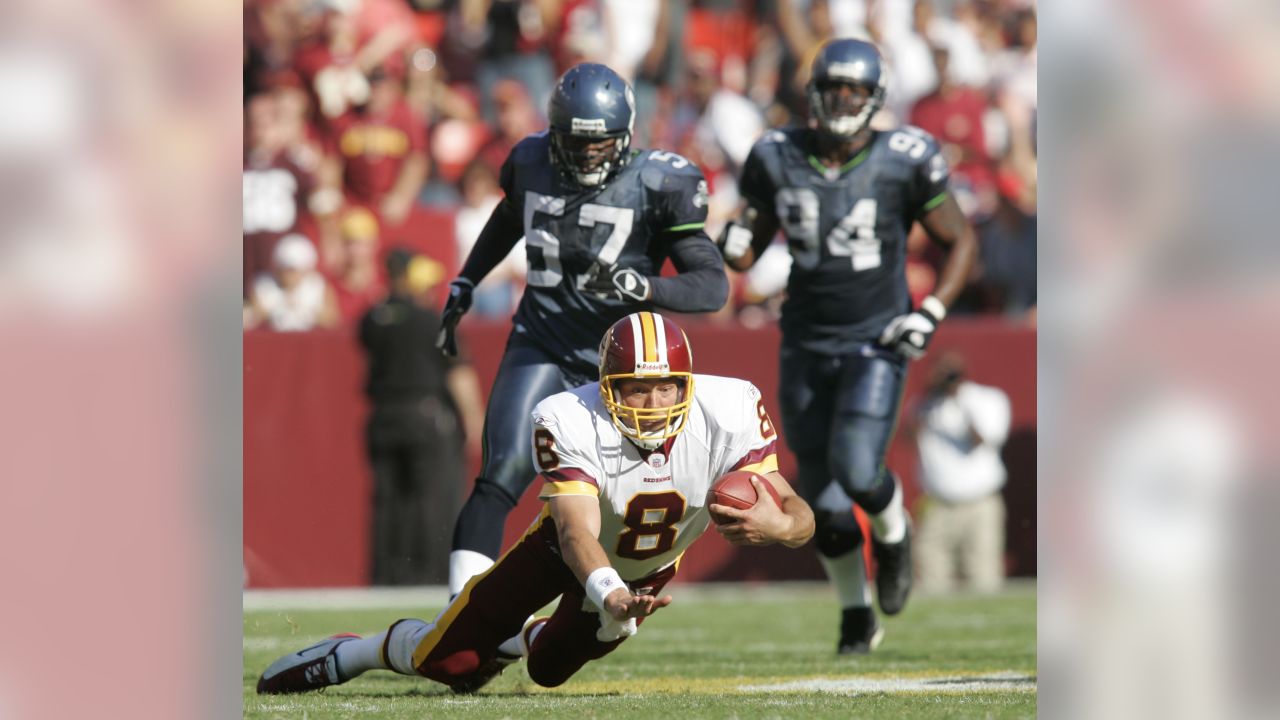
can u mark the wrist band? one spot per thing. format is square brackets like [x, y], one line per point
[934, 307]
[600, 583]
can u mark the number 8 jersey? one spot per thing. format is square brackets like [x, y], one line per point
[632, 220]
[652, 504]
[846, 228]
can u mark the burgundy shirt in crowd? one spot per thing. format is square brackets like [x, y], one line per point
[374, 148]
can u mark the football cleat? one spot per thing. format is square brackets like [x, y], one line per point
[893, 573]
[860, 632]
[483, 675]
[311, 668]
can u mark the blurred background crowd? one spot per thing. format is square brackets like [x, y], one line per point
[376, 124]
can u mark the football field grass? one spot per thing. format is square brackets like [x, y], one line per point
[723, 651]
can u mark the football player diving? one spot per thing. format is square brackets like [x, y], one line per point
[625, 463]
[845, 196]
[599, 219]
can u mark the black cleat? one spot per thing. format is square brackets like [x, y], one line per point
[893, 573]
[483, 675]
[860, 632]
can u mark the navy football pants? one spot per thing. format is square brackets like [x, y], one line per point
[526, 376]
[839, 414]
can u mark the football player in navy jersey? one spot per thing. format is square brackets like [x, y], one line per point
[845, 196]
[599, 219]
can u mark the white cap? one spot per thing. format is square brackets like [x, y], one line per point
[294, 252]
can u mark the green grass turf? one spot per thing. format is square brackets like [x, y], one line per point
[701, 657]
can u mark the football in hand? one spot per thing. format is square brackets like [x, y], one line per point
[736, 491]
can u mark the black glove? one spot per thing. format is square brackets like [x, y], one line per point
[618, 283]
[458, 304]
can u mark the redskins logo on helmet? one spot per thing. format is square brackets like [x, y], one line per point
[646, 345]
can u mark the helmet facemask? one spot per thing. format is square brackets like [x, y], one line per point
[589, 160]
[646, 346]
[843, 109]
[649, 427]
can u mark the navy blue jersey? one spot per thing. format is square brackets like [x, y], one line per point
[632, 220]
[847, 229]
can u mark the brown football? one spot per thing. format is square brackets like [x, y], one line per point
[736, 491]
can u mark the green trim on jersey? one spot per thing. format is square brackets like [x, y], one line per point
[689, 226]
[936, 201]
[857, 160]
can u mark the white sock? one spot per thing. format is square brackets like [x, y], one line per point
[848, 573]
[464, 565]
[515, 644]
[890, 525]
[355, 657]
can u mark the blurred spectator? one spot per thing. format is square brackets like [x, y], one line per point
[517, 119]
[1008, 242]
[379, 149]
[960, 428]
[294, 295]
[906, 46]
[497, 294]
[518, 47]
[279, 175]
[357, 281]
[630, 28]
[425, 406]
[955, 116]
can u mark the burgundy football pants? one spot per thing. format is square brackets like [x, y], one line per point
[494, 606]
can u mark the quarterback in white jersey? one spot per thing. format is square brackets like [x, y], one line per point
[625, 465]
[651, 502]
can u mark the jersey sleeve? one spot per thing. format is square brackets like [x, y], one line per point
[679, 191]
[757, 184]
[509, 175]
[755, 445]
[930, 171]
[563, 468]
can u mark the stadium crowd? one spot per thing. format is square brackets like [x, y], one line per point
[375, 124]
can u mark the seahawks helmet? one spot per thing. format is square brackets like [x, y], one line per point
[846, 63]
[591, 103]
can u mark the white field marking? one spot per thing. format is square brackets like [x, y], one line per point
[425, 596]
[999, 682]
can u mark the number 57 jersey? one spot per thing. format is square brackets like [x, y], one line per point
[653, 200]
[652, 504]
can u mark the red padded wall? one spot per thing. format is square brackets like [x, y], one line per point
[306, 484]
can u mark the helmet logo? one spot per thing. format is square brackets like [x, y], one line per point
[849, 71]
[700, 197]
[584, 126]
[652, 367]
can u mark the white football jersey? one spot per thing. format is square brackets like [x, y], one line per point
[652, 504]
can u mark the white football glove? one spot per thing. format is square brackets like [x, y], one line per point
[735, 241]
[611, 629]
[910, 334]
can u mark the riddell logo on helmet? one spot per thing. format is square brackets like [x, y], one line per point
[652, 367]
[584, 126]
[853, 70]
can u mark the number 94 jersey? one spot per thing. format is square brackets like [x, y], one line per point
[631, 220]
[652, 505]
[846, 228]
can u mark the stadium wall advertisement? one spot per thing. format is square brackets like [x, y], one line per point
[305, 471]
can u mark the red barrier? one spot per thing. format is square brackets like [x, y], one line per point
[306, 484]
